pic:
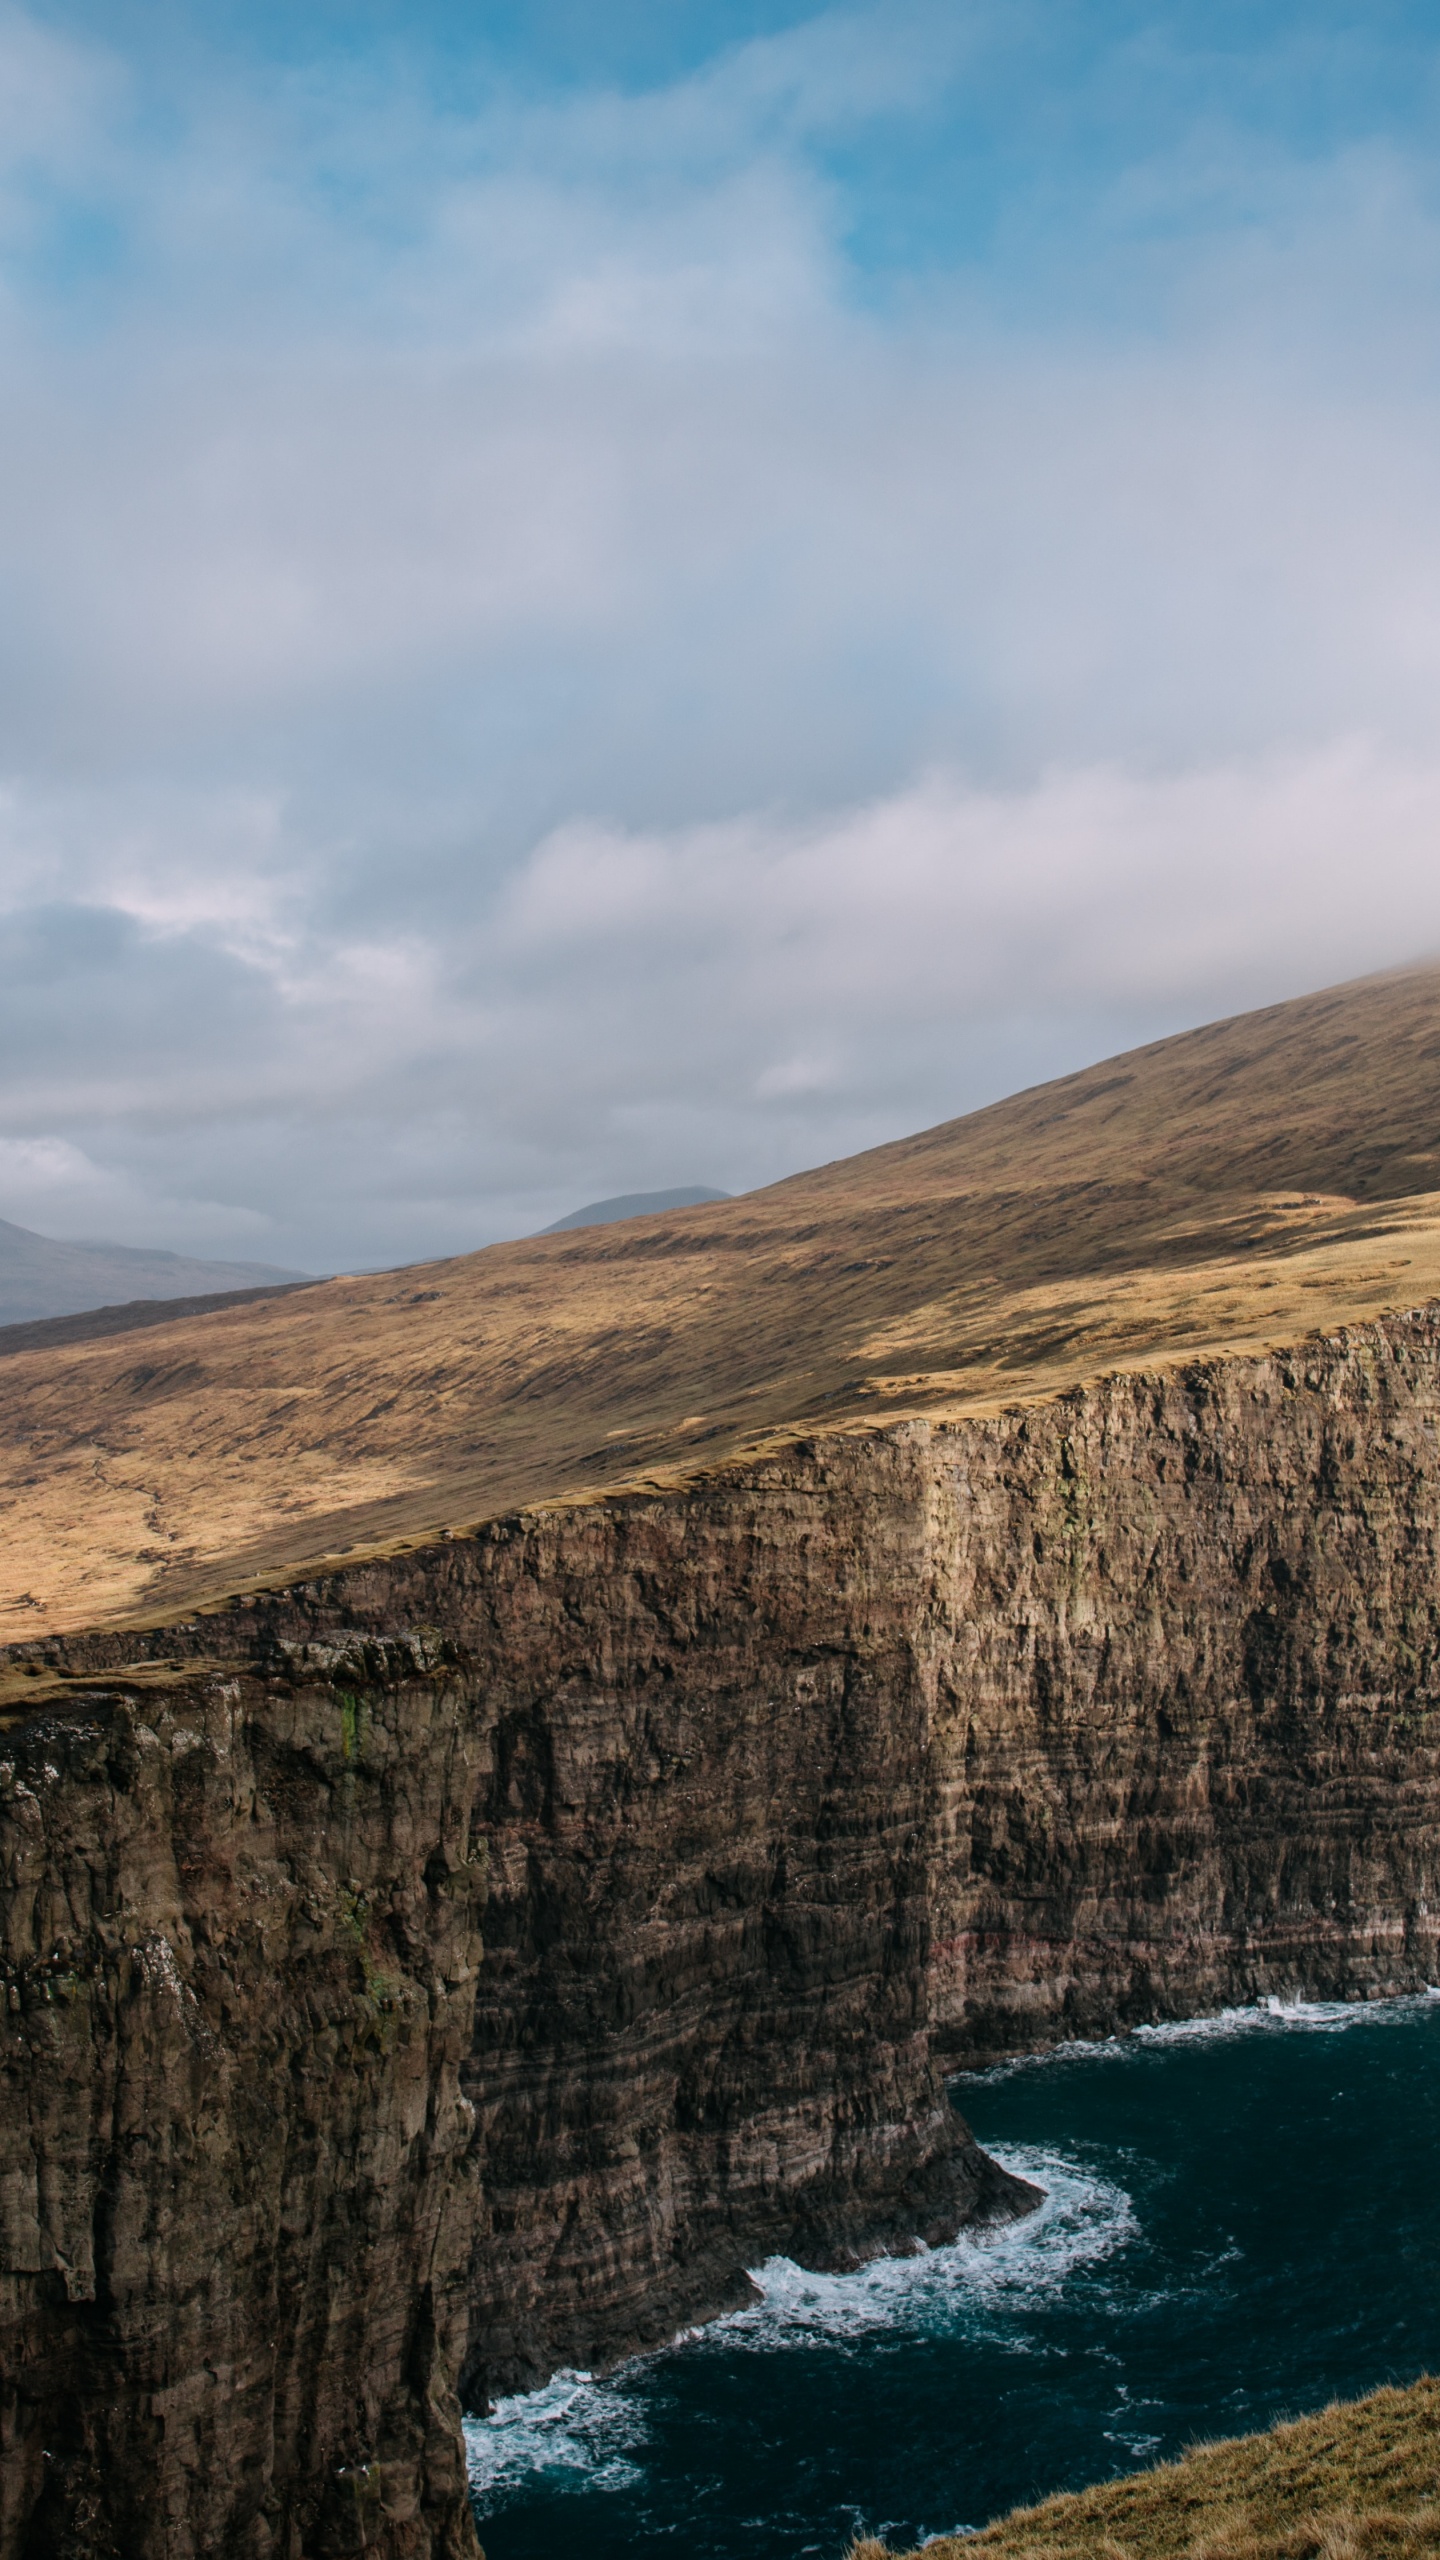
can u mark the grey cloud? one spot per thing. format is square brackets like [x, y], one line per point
[566, 699]
[754, 995]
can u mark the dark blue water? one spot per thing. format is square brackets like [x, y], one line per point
[1243, 2219]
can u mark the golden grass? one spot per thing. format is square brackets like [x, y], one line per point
[1361, 2479]
[1236, 1187]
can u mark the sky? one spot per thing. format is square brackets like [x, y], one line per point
[601, 599]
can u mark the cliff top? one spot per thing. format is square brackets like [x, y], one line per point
[1361, 2478]
[1231, 1188]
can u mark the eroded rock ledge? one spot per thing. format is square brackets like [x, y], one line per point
[781, 1796]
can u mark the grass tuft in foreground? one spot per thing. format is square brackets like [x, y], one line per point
[1359, 2482]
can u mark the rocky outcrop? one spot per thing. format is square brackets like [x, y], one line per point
[790, 1789]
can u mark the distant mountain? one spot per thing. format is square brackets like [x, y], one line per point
[39, 1276]
[633, 1204]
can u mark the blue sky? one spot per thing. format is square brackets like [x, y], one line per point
[595, 599]
[1060, 159]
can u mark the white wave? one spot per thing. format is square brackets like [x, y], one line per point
[591, 2431]
[573, 2425]
[1326, 2015]
[976, 2283]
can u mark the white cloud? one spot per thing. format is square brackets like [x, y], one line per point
[54, 1187]
[725, 1000]
[524, 674]
[49, 1168]
[760, 952]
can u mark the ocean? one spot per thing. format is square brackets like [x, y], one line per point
[1242, 2220]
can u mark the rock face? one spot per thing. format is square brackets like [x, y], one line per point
[892, 1752]
[239, 1950]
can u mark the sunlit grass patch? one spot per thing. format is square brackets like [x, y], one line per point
[1360, 2481]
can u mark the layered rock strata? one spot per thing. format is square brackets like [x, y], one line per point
[789, 1789]
[236, 2168]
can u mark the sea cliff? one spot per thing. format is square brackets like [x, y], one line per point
[774, 1796]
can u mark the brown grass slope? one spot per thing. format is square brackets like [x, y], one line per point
[1242, 1184]
[1359, 2481]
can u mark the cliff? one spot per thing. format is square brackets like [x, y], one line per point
[790, 1787]
[239, 1947]
[1225, 1190]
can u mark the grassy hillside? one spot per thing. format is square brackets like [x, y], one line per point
[1239, 1185]
[1362, 2478]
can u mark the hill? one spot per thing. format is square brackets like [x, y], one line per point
[1237, 1185]
[632, 1204]
[1361, 2478]
[42, 1277]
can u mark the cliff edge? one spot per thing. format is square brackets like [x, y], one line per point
[468, 1958]
[1229, 1189]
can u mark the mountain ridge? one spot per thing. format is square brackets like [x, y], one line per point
[43, 1277]
[633, 1204]
[1231, 1187]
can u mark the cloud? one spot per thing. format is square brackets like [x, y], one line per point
[540, 656]
[851, 963]
[737, 997]
[50, 1185]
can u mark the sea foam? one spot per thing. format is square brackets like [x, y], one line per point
[971, 2282]
[1256, 2017]
[572, 2425]
[587, 2431]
